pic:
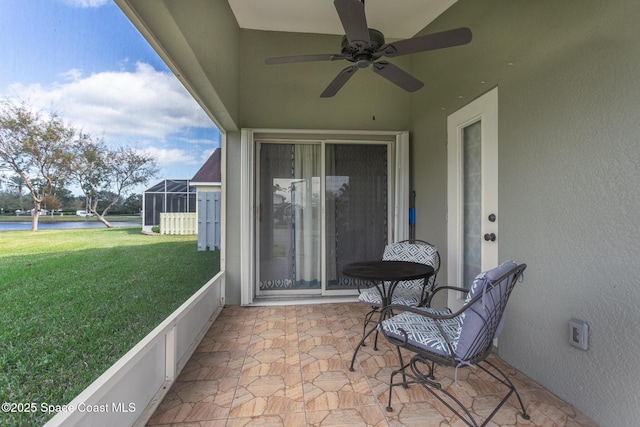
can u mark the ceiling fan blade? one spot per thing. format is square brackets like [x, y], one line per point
[354, 21]
[303, 58]
[397, 76]
[449, 38]
[339, 81]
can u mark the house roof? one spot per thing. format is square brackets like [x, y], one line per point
[210, 171]
[172, 186]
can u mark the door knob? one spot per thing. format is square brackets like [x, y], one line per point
[490, 237]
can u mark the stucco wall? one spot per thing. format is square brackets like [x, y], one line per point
[233, 257]
[569, 182]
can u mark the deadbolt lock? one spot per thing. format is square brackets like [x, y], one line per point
[490, 237]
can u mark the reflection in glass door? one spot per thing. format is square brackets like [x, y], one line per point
[289, 217]
[352, 190]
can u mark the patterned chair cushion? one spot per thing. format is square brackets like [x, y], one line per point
[414, 252]
[462, 331]
[423, 332]
[473, 319]
[410, 297]
[481, 280]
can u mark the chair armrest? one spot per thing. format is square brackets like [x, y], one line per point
[454, 288]
[393, 309]
[440, 288]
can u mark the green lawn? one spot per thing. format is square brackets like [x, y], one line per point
[70, 218]
[72, 302]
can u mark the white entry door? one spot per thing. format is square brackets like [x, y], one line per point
[472, 204]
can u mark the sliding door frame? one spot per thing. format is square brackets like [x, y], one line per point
[398, 145]
[258, 144]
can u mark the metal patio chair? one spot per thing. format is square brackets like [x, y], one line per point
[463, 338]
[412, 293]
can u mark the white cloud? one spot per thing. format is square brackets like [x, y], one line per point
[72, 75]
[167, 156]
[86, 3]
[144, 103]
[144, 109]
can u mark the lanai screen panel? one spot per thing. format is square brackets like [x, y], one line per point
[170, 195]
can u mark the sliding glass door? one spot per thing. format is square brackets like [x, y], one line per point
[356, 206]
[321, 205]
[289, 218]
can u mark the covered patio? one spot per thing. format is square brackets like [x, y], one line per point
[289, 366]
[565, 151]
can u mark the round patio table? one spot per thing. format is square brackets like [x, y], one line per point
[377, 273]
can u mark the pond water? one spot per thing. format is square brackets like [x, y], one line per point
[15, 226]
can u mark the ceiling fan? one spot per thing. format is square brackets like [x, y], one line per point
[364, 47]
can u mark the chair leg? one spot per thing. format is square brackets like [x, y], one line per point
[360, 344]
[504, 380]
[404, 382]
[367, 320]
[375, 340]
[401, 363]
[415, 379]
[426, 379]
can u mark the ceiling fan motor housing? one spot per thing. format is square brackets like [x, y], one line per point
[362, 55]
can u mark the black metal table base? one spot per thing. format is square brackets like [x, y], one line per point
[378, 272]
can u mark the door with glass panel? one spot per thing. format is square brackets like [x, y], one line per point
[320, 205]
[357, 217]
[472, 208]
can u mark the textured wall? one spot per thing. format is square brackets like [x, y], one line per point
[233, 200]
[288, 96]
[569, 182]
[213, 37]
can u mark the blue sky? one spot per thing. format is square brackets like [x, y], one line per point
[84, 60]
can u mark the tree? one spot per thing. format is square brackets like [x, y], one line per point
[16, 183]
[36, 148]
[52, 202]
[65, 196]
[133, 204]
[101, 172]
[8, 202]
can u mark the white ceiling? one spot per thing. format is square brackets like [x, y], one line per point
[399, 19]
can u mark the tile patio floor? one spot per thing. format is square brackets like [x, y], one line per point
[288, 366]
